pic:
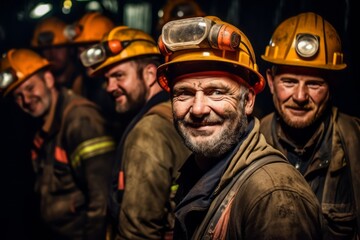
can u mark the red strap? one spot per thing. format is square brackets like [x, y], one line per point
[121, 182]
[60, 155]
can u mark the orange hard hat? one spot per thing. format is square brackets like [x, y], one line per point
[203, 44]
[91, 28]
[120, 44]
[49, 32]
[17, 65]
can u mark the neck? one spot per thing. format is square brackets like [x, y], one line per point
[153, 90]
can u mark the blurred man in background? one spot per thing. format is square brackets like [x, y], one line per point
[150, 151]
[85, 32]
[72, 150]
[50, 41]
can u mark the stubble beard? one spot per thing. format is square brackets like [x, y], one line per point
[300, 122]
[215, 145]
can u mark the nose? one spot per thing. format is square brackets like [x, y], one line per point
[301, 93]
[200, 107]
[26, 98]
[111, 85]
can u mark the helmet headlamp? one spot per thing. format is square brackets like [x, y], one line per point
[7, 77]
[72, 31]
[98, 53]
[307, 45]
[198, 32]
[101, 51]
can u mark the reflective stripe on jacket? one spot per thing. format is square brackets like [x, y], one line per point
[72, 161]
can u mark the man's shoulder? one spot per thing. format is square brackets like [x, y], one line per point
[278, 176]
[77, 104]
[346, 118]
[265, 124]
[162, 109]
[267, 118]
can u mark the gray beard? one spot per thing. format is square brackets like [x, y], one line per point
[220, 144]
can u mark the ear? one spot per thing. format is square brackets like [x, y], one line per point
[249, 102]
[270, 80]
[49, 79]
[149, 75]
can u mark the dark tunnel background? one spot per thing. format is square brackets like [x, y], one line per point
[256, 18]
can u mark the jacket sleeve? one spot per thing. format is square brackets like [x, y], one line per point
[91, 155]
[152, 153]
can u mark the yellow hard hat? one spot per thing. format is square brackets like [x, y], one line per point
[91, 28]
[49, 32]
[305, 40]
[120, 44]
[206, 44]
[17, 65]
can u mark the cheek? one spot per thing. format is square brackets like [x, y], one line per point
[180, 108]
[282, 93]
[319, 96]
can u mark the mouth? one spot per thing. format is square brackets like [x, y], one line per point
[298, 111]
[201, 126]
[116, 95]
[31, 107]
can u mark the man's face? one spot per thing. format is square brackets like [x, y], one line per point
[128, 90]
[33, 96]
[210, 113]
[300, 95]
[59, 57]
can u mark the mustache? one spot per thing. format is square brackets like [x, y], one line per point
[200, 122]
[300, 106]
[117, 93]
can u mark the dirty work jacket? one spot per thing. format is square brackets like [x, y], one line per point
[151, 156]
[72, 158]
[275, 202]
[328, 164]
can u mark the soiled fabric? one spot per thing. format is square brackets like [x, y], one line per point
[72, 159]
[275, 202]
[328, 157]
[152, 154]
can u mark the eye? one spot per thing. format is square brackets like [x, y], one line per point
[215, 92]
[30, 88]
[182, 94]
[314, 84]
[288, 82]
[118, 76]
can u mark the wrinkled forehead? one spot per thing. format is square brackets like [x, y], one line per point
[212, 78]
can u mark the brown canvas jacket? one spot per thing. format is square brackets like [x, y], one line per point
[72, 161]
[154, 151]
[275, 202]
[329, 167]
